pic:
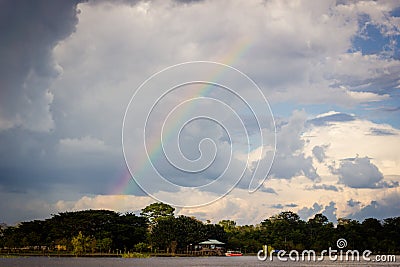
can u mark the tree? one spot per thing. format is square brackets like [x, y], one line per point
[157, 210]
[163, 233]
[215, 231]
[95, 223]
[287, 216]
[189, 230]
[319, 219]
[32, 233]
[228, 225]
[104, 245]
[351, 231]
[391, 230]
[372, 231]
[102, 230]
[81, 244]
[284, 231]
[139, 247]
[128, 230]
[246, 237]
[320, 233]
[3, 226]
[12, 237]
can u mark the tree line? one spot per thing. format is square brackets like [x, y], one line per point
[157, 229]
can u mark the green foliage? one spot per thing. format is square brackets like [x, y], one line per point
[134, 255]
[108, 230]
[158, 210]
[104, 245]
[319, 233]
[285, 231]
[83, 244]
[105, 231]
[128, 230]
[163, 233]
[228, 225]
[184, 231]
[140, 247]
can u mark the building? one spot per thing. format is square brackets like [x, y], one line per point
[211, 247]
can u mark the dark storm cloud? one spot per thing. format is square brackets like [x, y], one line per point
[31, 161]
[29, 31]
[28, 150]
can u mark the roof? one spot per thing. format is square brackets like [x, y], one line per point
[211, 242]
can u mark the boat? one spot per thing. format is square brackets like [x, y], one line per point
[232, 253]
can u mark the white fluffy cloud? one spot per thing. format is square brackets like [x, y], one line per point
[345, 137]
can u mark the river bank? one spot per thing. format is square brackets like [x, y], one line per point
[177, 262]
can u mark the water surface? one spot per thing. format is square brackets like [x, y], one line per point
[174, 262]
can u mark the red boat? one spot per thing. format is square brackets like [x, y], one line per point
[231, 253]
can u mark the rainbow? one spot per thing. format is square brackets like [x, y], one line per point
[125, 185]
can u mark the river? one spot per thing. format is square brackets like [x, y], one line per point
[175, 262]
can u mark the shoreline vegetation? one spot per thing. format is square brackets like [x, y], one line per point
[158, 232]
[102, 255]
[123, 255]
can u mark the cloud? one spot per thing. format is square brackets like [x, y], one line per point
[345, 139]
[86, 144]
[119, 203]
[277, 206]
[329, 117]
[353, 203]
[319, 153]
[381, 132]
[305, 213]
[323, 187]
[268, 190]
[384, 206]
[391, 109]
[328, 210]
[361, 173]
[67, 77]
[27, 69]
[281, 206]
[290, 160]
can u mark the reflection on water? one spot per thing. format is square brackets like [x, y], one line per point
[176, 262]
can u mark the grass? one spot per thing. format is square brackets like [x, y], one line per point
[134, 255]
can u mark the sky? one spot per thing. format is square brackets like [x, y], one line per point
[225, 109]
